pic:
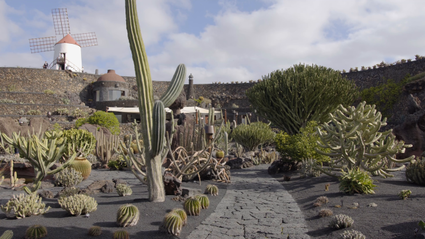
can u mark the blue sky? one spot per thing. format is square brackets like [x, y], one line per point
[223, 40]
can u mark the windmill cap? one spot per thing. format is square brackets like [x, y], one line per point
[111, 76]
[68, 39]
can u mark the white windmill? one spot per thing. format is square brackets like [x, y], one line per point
[67, 51]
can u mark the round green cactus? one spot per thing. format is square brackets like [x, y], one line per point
[35, 232]
[78, 204]
[204, 200]
[128, 215]
[415, 172]
[95, 231]
[182, 213]
[124, 190]
[192, 206]
[211, 189]
[121, 234]
[172, 223]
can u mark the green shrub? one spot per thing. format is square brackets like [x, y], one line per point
[65, 101]
[7, 101]
[78, 113]
[290, 98]
[79, 140]
[301, 146]
[34, 112]
[102, 118]
[356, 181]
[49, 92]
[250, 136]
[62, 111]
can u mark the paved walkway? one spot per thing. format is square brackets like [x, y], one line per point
[255, 206]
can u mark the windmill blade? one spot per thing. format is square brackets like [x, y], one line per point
[61, 21]
[85, 39]
[42, 44]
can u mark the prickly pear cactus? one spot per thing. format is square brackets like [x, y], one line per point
[354, 140]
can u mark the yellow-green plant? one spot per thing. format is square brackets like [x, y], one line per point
[404, 194]
[211, 189]
[204, 200]
[36, 232]
[250, 136]
[356, 181]
[22, 206]
[192, 206]
[121, 234]
[128, 215]
[355, 141]
[152, 113]
[172, 223]
[182, 213]
[415, 172]
[95, 231]
[78, 204]
[341, 221]
[8, 234]
[80, 141]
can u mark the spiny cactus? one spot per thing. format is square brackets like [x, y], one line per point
[211, 189]
[192, 206]
[80, 141]
[322, 200]
[22, 206]
[182, 213]
[35, 232]
[42, 152]
[415, 172]
[152, 115]
[124, 190]
[172, 223]
[352, 234]
[354, 140]
[204, 200]
[69, 191]
[404, 194]
[78, 204]
[8, 234]
[128, 215]
[121, 234]
[68, 177]
[95, 231]
[325, 212]
[341, 221]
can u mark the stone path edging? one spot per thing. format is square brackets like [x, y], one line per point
[255, 206]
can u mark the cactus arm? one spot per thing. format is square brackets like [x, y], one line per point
[142, 70]
[175, 87]
[158, 134]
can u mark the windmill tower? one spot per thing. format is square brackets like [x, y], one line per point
[67, 51]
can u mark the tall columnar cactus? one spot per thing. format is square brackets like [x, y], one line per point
[42, 152]
[152, 115]
[8, 234]
[354, 140]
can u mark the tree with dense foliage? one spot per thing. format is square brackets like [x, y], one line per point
[290, 98]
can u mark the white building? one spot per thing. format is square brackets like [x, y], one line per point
[67, 55]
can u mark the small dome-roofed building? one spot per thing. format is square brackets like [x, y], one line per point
[110, 87]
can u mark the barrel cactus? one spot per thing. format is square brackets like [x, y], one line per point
[352, 234]
[121, 234]
[182, 213]
[211, 189]
[35, 232]
[78, 204]
[124, 190]
[128, 215]
[203, 200]
[95, 231]
[341, 221]
[8, 234]
[415, 172]
[172, 223]
[192, 206]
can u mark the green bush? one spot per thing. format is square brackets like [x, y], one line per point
[49, 92]
[356, 181]
[290, 98]
[102, 118]
[301, 146]
[250, 136]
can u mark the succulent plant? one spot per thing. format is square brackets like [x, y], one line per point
[341, 221]
[35, 232]
[325, 212]
[8, 234]
[182, 213]
[352, 234]
[95, 231]
[128, 215]
[78, 204]
[322, 200]
[415, 172]
[22, 206]
[68, 177]
[219, 154]
[121, 234]
[124, 190]
[70, 191]
[192, 206]
[211, 189]
[204, 200]
[356, 181]
[404, 194]
[172, 223]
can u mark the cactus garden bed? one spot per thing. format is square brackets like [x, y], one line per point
[391, 218]
[60, 224]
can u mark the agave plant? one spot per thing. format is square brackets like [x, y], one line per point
[128, 215]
